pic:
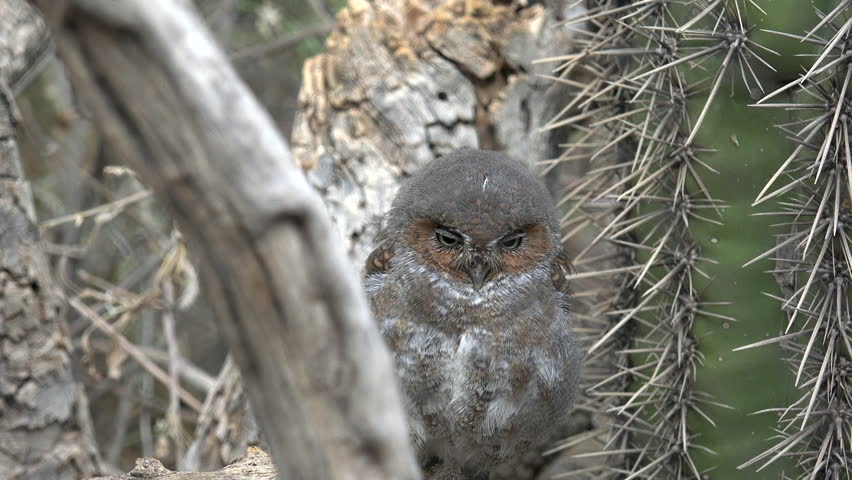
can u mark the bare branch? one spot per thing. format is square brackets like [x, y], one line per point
[290, 307]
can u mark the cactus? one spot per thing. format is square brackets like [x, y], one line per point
[651, 119]
[814, 254]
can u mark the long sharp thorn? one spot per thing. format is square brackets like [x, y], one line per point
[828, 48]
[839, 8]
[712, 95]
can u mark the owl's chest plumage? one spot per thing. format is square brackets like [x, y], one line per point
[486, 376]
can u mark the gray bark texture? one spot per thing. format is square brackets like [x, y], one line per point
[401, 83]
[24, 41]
[288, 303]
[44, 428]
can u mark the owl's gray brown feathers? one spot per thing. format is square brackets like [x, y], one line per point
[468, 287]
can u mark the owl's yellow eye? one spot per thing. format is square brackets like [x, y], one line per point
[446, 239]
[513, 242]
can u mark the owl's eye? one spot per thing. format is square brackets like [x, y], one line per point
[513, 242]
[446, 238]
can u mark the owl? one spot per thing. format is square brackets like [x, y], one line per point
[468, 287]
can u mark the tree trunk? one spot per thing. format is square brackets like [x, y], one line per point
[44, 428]
[45, 432]
[314, 366]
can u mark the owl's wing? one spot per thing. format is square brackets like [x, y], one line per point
[379, 259]
[561, 268]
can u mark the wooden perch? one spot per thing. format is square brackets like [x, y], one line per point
[288, 302]
[256, 465]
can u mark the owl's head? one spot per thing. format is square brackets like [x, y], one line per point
[476, 216]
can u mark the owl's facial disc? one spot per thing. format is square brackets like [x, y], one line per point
[477, 256]
[476, 217]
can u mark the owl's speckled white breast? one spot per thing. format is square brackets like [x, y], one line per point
[484, 388]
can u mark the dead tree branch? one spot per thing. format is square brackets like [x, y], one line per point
[288, 302]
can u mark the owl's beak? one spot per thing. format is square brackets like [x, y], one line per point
[477, 274]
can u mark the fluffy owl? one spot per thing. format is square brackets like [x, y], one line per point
[468, 287]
